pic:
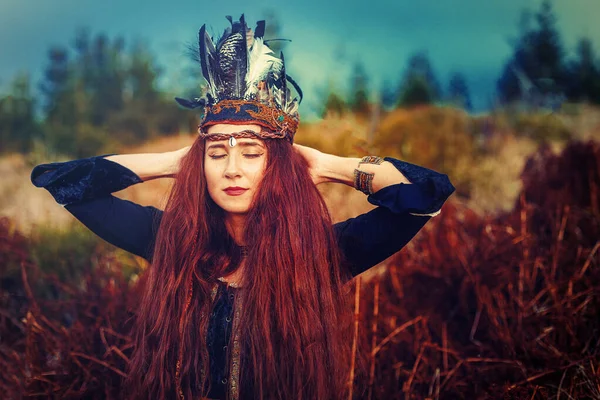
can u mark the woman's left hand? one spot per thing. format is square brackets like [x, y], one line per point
[314, 158]
[325, 167]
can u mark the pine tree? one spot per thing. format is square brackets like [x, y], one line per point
[584, 74]
[458, 91]
[419, 84]
[145, 112]
[389, 94]
[548, 48]
[64, 103]
[18, 125]
[359, 96]
[57, 88]
[334, 105]
[536, 71]
[106, 78]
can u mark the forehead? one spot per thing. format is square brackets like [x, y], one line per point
[242, 142]
[232, 128]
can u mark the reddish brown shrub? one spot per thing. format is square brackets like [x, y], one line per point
[497, 308]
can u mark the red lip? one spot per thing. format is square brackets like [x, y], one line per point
[235, 190]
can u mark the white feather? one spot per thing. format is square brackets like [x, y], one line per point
[261, 61]
[276, 92]
[292, 108]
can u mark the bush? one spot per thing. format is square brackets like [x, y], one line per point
[502, 307]
[542, 127]
[437, 138]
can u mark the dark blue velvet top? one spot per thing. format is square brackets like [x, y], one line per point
[85, 188]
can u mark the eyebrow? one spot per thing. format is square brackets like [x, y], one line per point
[242, 144]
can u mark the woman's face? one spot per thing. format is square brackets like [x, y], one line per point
[233, 174]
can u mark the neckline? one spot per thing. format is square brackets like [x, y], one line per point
[228, 284]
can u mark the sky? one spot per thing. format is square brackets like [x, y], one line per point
[328, 37]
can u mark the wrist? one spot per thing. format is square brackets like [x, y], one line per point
[172, 161]
[338, 169]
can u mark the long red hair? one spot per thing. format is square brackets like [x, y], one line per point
[295, 316]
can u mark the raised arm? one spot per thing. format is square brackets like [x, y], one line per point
[407, 196]
[149, 166]
[85, 188]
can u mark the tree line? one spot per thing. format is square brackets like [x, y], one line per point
[538, 74]
[95, 94]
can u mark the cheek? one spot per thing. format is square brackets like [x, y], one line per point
[210, 174]
[258, 172]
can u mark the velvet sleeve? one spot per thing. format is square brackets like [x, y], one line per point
[88, 178]
[403, 209]
[84, 187]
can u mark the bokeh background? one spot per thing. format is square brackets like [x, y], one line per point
[496, 298]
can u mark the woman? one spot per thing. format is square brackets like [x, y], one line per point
[245, 293]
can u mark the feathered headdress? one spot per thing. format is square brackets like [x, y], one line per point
[246, 83]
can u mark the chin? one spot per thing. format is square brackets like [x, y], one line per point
[233, 208]
[237, 210]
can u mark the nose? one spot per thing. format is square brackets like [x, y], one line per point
[232, 169]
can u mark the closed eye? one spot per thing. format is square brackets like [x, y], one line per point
[217, 156]
[252, 155]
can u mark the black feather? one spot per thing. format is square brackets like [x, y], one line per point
[260, 29]
[208, 58]
[293, 82]
[282, 85]
[226, 33]
[238, 25]
[233, 61]
[189, 103]
[243, 59]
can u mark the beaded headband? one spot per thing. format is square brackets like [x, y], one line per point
[278, 124]
[246, 83]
